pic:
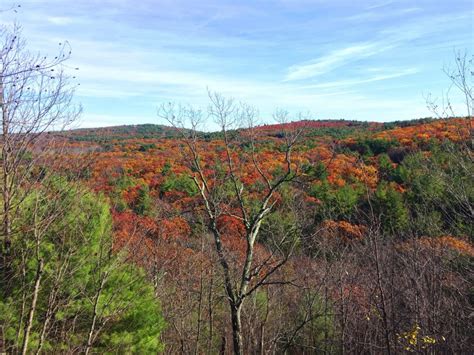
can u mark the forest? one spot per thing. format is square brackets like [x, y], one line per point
[300, 237]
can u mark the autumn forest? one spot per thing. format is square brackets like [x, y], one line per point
[302, 236]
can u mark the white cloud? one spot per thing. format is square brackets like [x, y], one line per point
[382, 15]
[333, 60]
[380, 4]
[353, 82]
[386, 39]
[97, 120]
[60, 20]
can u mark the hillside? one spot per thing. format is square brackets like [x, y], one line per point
[141, 131]
[364, 196]
[312, 127]
[354, 198]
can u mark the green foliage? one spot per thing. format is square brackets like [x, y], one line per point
[69, 229]
[386, 169]
[279, 226]
[225, 191]
[317, 171]
[389, 205]
[440, 192]
[121, 133]
[107, 147]
[166, 168]
[143, 203]
[120, 184]
[371, 146]
[145, 147]
[407, 123]
[182, 183]
[437, 199]
[332, 132]
[137, 327]
[337, 203]
[426, 187]
[123, 182]
[317, 315]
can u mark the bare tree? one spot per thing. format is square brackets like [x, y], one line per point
[461, 76]
[243, 276]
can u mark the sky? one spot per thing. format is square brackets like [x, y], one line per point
[373, 60]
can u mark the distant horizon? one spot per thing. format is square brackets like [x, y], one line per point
[266, 123]
[373, 60]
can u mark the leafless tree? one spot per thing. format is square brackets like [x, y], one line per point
[461, 76]
[241, 277]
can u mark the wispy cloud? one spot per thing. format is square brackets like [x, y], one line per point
[386, 39]
[333, 60]
[354, 82]
[303, 54]
[382, 15]
[380, 4]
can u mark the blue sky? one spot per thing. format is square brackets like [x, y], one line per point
[366, 60]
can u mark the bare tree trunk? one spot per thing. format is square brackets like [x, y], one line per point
[211, 315]
[31, 314]
[51, 304]
[45, 327]
[263, 325]
[6, 195]
[343, 316]
[90, 337]
[237, 328]
[235, 308]
[23, 300]
[326, 338]
[382, 297]
[223, 345]
[201, 291]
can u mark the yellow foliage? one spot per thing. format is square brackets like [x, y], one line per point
[413, 341]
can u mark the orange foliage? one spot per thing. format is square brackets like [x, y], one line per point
[174, 228]
[124, 159]
[441, 245]
[458, 245]
[343, 230]
[452, 129]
